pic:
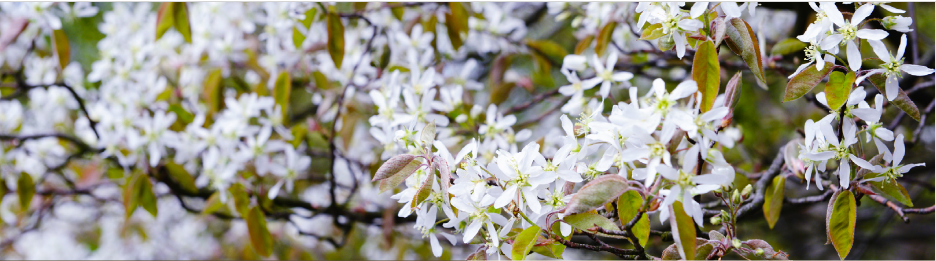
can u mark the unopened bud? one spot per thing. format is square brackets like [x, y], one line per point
[747, 191]
[724, 215]
[759, 252]
[736, 243]
[735, 196]
[715, 220]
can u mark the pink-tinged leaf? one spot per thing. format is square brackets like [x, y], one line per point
[393, 166]
[260, 237]
[604, 38]
[733, 91]
[743, 42]
[524, 242]
[805, 81]
[596, 193]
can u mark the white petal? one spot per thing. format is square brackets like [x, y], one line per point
[506, 197]
[916, 70]
[853, 55]
[871, 34]
[899, 150]
[861, 13]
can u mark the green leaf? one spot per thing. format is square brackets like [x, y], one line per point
[653, 31]
[282, 91]
[241, 199]
[524, 242]
[841, 223]
[184, 116]
[588, 220]
[890, 188]
[298, 37]
[548, 48]
[902, 101]
[745, 42]
[180, 176]
[214, 92]
[596, 193]
[629, 205]
[62, 49]
[260, 237]
[336, 41]
[706, 73]
[683, 230]
[130, 197]
[787, 46]
[173, 14]
[456, 23]
[773, 200]
[181, 21]
[25, 189]
[604, 38]
[145, 196]
[805, 81]
[213, 203]
[838, 88]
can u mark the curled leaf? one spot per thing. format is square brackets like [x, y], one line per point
[393, 166]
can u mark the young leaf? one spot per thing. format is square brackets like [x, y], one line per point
[773, 200]
[213, 92]
[706, 72]
[718, 29]
[130, 196]
[584, 44]
[841, 223]
[902, 101]
[282, 91]
[336, 41]
[588, 220]
[604, 38]
[180, 176]
[891, 189]
[548, 48]
[733, 91]
[164, 19]
[838, 88]
[788, 46]
[741, 36]
[213, 203]
[181, 21]
[424, 190]
[524, 242]
[628, 206]
[805, 81]
[145, 196]
[298, 37]
[653, 31]
[683, 230]
[393, 166]
[396, 179]
[62, 50]
[596, 193]
[428, 134]
[25, 189]
[260, 237]
[241, 199]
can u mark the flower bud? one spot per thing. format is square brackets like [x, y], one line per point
[746, 192]
[735, 196]
[736, 243]
[759, 252]
[666, 43]
[715, 220]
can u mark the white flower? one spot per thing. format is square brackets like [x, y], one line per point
[848, 33]
[892, 67]
[292, 165]
[895, 170]
[521, 177]
[156, 134]
[688, 185]
[897, 23]
[606, 74]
